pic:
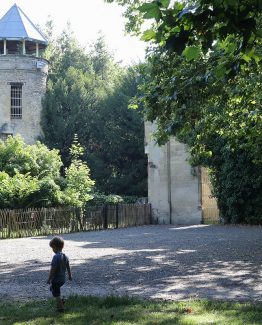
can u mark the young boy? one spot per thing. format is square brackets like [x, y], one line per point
[59, 266]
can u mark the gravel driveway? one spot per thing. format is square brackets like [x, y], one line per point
[219, 262]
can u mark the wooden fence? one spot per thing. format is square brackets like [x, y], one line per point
[44, 221]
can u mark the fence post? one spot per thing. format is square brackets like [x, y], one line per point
[150, 214]
[11, 222]
[105, 216]
[117, 215]
[44, 220]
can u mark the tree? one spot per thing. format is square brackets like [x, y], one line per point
[30, 177]
[192, 27]
[220, 120]
[203, 81]
[115, 150]
[67, 106]
[88, 95]
[78, 182]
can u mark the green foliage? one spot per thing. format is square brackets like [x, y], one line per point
[192, 52]
[220, 120]
[88, 95]
[181, 26]
[17, 191]
[78, 182]
[203, 85]
[16, 156]
[100, 199]
[115, 152]
[30, 176]
[237, 185]
[148, 35]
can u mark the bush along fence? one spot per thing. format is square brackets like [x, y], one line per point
[44, 221]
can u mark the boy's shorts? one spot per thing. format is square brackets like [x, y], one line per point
[55, 288]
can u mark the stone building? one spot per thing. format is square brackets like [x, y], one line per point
[23, 74]
[178, 193]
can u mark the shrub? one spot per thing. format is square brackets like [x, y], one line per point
[30, 176]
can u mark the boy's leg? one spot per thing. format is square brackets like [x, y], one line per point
[57, 295]
[59, 304]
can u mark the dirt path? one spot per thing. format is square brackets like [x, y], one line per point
[166, 262]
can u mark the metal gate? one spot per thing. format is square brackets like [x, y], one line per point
[210, 212]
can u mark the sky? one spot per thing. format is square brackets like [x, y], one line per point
[87, 19]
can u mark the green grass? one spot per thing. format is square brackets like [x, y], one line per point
[123, 311]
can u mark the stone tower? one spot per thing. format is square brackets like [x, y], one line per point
[23, 74]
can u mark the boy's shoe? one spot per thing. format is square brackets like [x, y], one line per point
[60, 306]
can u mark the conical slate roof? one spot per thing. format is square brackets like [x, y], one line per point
[16, 25]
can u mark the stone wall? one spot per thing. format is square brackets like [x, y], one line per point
[173, 185]
[32, 72]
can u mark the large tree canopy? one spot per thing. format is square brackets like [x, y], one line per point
[204, 86]
[189, 27]
[88, 95]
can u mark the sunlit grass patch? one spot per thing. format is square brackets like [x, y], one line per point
[126, 311]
